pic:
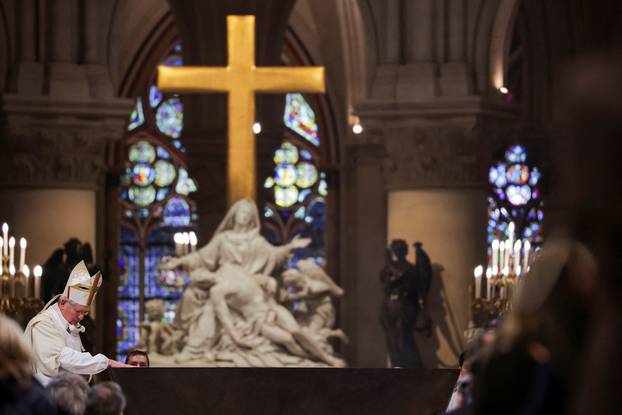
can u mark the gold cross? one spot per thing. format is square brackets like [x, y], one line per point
[241, 79]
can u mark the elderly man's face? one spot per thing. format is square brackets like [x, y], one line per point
[73, 312]
[138, 360]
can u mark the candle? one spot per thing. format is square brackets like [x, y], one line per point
[508, 253]
[177, 239]
[12, 252]
[5, 237]
[527, 248]
[517, 248]
[187, 242]
[12, 272]
[511, 228]
[488, 283]
[477, 273]
[193, 241]
[26, 272]
[501, 257]
[22, 252]
[37, 271]
[495, 255]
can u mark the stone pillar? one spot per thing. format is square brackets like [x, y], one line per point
[66, 78]
[451, 223]
[433, 189]
[454, 80]
[416, 80]
[365, 222]
[29, 72]
[99, 83]
[52, 168]
[47, 218]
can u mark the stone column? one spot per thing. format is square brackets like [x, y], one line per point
[454, 80]
[451, 223]
[29, 72]
[52, 165]
[417, 78]
[365, 221]
[434, 190]
[66, 78]
[47, 218]
[99, 83]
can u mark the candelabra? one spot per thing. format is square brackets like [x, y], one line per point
[509, 260]
[20, 295]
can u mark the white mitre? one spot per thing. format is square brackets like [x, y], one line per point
[81, 286]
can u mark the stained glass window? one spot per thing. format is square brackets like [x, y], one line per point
[137, 118]
[515, 198]
[155, 203]
[300, 118]
[298, 206]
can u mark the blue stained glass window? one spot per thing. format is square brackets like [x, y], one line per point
[163, 154]
[177, 212]
[137, 118]
[170, 117]
[155, 96]
[514, 198]
[185, 185]
[154, 190]
[298, 186]
[300, 118]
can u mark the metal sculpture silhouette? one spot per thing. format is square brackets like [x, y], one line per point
[405, 287]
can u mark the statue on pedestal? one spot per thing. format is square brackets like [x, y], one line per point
[405, 287]
[229, 313]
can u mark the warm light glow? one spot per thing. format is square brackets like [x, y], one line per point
[26, 271]
[517, 245]
[504, 90]
[527, 246]
[479, 270]
[37, 271]
[22, 243]
[12, 269]
[357, 128]
[488, 273]
[11, 242]
[193, 238]
[495, 244]
[5, 227]
[256, 128]
[177, 238]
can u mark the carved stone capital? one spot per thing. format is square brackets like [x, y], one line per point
[46, 143]
[436, 144]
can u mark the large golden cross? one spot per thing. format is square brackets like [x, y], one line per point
[241, 79]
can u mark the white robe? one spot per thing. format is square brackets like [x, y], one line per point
[57, 347]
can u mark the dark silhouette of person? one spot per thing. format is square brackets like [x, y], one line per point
[54, 275]
[405, 285]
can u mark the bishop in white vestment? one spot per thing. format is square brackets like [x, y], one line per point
[54, 333]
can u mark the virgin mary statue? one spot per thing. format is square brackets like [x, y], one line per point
[236, 248]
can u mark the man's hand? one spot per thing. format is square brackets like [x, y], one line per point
[117, 364]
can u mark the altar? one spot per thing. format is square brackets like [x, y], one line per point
[285, 391]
